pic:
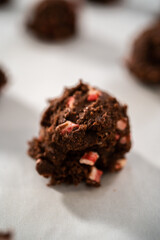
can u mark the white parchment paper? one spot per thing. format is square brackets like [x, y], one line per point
[127, 205]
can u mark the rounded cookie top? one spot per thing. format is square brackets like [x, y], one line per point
[83, 117]
[53, 20]
[144, 61]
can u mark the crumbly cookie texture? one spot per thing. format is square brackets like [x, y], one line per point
[83, 134]
[53, 20]
[3, 79]
[144, 61]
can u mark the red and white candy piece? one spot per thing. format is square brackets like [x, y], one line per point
[89, 158]
[120, 164]
[93, 94]
[41, 133]
[123, 140]
[70, 102]
[67, 127]
[39, 161]
[121, 124]
[95, 175]
[117, 137]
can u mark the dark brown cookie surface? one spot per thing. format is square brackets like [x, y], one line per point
[53, 20]
[144, 61]
[83, 133]
[3, 79]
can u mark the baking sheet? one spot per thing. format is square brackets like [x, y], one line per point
[126, 206]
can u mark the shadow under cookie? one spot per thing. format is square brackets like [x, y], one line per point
[128, 201]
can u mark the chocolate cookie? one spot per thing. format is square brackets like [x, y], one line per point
[144, 61]
[3, 79]
[53, 20]
[83, 133]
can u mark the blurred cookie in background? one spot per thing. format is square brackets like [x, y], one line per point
[3, 2]
[53, 20]
[3, 79]
[103, 1]
[144, 61]
[5, 236]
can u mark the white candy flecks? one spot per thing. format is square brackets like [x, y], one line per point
[89, 158]
[120, 164]
[39, 161]
[93, 94]
[70, 102]
[121, 124]
[67, 127]
[95, 175]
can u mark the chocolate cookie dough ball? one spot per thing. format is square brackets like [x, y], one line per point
[3, 79]
[53, 20]
[144, 61]
[83, 134]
